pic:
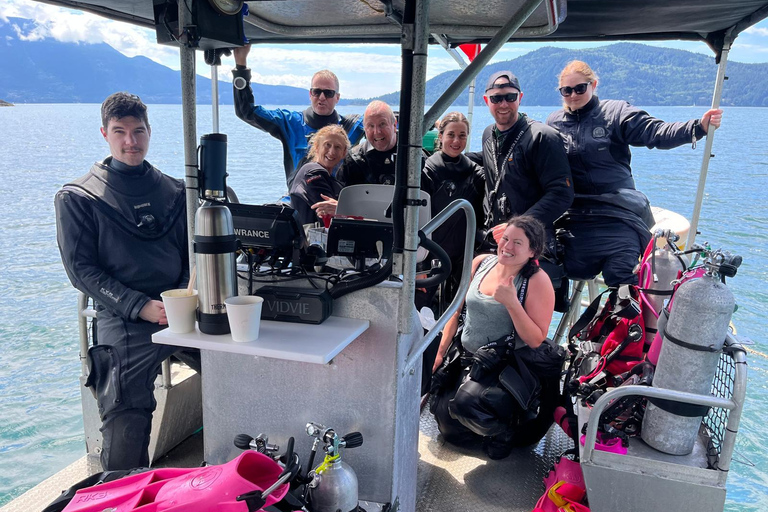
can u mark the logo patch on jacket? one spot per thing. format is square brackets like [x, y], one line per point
[598, 132]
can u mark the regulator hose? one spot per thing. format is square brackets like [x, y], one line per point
[441, 273]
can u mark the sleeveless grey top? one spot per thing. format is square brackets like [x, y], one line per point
[486, 319]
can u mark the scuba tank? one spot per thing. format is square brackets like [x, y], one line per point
[693, 339]
[661, 265]
[334, 484]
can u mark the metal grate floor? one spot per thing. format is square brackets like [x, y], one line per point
[460, 479]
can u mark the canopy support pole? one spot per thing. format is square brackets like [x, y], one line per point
[718, 93]
[408, 165]
[189, 120]
[463, 65]
[471, 71]
[215, 98]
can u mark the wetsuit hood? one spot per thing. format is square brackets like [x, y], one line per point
[316, 121]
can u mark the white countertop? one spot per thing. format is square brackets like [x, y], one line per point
[308, 343]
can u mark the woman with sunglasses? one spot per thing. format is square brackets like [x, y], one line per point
[609, 220]
[315, 181]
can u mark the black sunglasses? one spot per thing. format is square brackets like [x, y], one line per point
[328, 93]
[510, 97]
[578, 89]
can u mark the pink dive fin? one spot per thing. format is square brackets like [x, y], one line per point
[206, 489]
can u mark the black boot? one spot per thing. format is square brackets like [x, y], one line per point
[498, 447]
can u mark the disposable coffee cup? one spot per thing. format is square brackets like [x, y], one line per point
[180, 308]
[244, 314]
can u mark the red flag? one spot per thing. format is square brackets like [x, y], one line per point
[470, 50]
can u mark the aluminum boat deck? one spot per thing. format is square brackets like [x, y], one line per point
[450, 478]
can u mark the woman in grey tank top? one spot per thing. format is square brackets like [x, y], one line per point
[493, 306]
[508, 294]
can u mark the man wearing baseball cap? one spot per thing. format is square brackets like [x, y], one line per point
[526, 167]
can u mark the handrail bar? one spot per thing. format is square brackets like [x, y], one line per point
[466, 270]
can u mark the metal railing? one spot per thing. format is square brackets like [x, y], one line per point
[431, 226]
[722, 422]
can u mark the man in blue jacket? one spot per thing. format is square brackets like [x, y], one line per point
[122, 235]
[293, 129]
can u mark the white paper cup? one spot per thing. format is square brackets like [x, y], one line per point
[244, 313]
[180, 308]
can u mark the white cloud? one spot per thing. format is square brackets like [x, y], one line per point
[760, 31]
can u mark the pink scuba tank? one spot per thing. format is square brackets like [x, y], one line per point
[206, 489]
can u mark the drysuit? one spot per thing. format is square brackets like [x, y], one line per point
[366, 165]
[607, 227]
[122, 236]
[473, 398]
[293, 129]
[447, 179]
[312, 181]
[526, 172]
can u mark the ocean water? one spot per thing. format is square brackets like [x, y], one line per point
[44, 146]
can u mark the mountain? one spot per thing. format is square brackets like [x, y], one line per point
[638, 73]
[49, 71]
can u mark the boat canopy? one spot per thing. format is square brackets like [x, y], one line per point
[461, 21]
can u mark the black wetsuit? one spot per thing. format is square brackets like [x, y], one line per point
[123, 240]
[366, 165]
[447, 179]
[608, 223]
[312, 181]
[293, 129]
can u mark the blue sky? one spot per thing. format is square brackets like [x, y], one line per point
[363, 70]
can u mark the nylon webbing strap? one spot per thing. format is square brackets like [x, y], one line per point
[690, 346]
[649, 291]
[586, 317]
[680, 408]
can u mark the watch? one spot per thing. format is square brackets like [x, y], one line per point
[240, 83]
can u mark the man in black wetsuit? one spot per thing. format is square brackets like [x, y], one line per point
[122, 234]
[373, 160]
[292, 128]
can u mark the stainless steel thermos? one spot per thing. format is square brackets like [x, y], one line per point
[215, 245]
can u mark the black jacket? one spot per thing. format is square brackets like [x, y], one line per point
[533, 177]
[311, 181]
[597, 139]
[105, 252]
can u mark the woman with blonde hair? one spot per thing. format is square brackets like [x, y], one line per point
[315, 181]
[609, 219]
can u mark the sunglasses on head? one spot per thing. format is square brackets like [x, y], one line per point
[510, 97]
[578, 89]
[328, 93]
